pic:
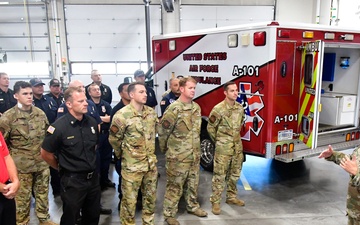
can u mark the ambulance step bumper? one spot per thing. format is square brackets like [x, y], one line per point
[307, 153]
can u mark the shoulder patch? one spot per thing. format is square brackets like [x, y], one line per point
[51, 129]
[165, 124]
[114, 129]
[60, 109]
[162, 102]
[212, 118]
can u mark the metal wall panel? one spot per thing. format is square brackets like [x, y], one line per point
[109, 32]
[195, 17]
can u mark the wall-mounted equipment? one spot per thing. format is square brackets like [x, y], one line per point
[344, 62]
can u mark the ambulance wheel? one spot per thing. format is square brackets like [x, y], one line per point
[207, 148]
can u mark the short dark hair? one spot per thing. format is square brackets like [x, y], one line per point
[70, 91]
[227, 84]
[90, 86]
[131, 87]
[21, 85]
[121, 86]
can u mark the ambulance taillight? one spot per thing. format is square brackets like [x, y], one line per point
[291, 147]
[278, 149]
[353, 136]
[357, 135]
[348, 137]
[285, 148]
[260, 38]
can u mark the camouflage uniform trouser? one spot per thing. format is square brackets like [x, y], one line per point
[181, 178]
[227, 170]
[39, 183]
[353, 221]
[353, 204]
[131, 182]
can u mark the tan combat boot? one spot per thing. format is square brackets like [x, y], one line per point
[199, 212]
[172, 221]
[235, 201]
[216, 208]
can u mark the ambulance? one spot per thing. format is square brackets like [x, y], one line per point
[298, 83]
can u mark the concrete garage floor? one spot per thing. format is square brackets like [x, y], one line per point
[312, 191]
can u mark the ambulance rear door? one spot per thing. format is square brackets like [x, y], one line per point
[310, 91]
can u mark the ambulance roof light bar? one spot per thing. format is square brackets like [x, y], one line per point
[308, 34]
[157, 47]
[329, 36]
[284, 33]
[347, 37]
[172, 45]
[232, 40]
[260, 38]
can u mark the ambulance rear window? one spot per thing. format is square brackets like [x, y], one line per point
[308, 70]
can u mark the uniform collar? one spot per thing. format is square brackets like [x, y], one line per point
[73, 121]
[143, 114]
[228, 106]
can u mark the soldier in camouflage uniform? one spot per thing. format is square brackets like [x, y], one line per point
[132, 135]
[179, 138]
[24, 128]
[224, 127]
[350, 163]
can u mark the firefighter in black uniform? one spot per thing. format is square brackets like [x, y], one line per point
[104, 149]
[106, 93]
[73, 138]
[7, 99]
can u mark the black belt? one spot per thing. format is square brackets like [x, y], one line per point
[104, 131]
[86, 176]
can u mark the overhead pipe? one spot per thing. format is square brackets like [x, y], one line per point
[148, 38]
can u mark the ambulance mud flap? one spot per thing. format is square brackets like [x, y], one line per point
[207, 148]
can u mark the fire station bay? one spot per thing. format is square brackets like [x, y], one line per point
[294, 68]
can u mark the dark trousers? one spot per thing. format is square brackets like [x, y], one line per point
[118, 170]
[105, 154]
[55, 181]
[80, 193]
[7, 211]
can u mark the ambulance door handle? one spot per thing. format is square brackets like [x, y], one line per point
[255, 124]
[166, 85]
[283, 69]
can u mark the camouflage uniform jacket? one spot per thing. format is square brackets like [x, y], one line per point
[132, 135]
[179, 132]
[224, 127]
[24, 132]
[353, 195]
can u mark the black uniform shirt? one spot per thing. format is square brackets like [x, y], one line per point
[7, 100]
[59, 100]
[116, 108]
[103, 108]
[48, 105]
[167, 100]
[106, 93]
[151, 97]
[73, 142]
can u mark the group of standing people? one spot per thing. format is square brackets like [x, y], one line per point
[26, 118]
[132, 135]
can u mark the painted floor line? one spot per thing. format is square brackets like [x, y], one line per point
[245, 183]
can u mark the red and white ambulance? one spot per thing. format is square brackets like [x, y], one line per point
[298, 83]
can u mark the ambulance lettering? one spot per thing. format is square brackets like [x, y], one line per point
[286, 118]
[252, 103]
[245, 70]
